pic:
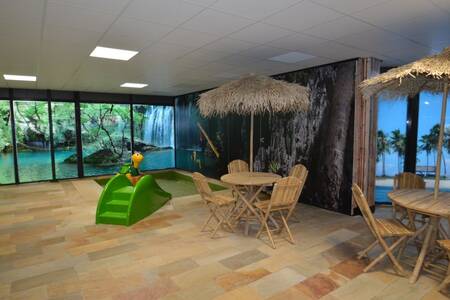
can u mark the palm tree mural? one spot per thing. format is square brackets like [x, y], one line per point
[397, 143]
[434, 136]
[383, 147]
[426, 145]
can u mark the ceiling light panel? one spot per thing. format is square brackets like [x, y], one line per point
[133, 85]
[19, 77]
[113, 53]
[291, 57]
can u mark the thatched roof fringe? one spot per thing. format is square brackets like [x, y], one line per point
[429, 73]
[254, 93]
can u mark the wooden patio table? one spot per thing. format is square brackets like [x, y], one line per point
[254, 182]
[423, 202]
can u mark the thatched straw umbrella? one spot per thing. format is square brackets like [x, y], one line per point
[254, 94]
[431, 73]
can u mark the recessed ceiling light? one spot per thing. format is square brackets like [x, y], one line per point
[112, 53]
[291, 57]
[19, 77]
[133, 85]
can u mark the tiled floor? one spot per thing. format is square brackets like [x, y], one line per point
[50, 248]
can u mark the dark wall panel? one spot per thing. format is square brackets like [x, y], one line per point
[321, 138]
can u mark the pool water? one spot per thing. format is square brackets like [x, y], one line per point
[36, 165]
[381, 194]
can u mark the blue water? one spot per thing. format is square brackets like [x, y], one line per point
[382, 191]
[35, 166]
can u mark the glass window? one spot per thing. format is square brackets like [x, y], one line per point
[105, 136]
[32, 138]
[6, 147]
[427, 139]
[154, 136]
[391, 142]
[64, 139]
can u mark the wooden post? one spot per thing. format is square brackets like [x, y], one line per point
[441, 141]
[251, 140]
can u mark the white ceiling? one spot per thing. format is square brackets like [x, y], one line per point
[191, 45]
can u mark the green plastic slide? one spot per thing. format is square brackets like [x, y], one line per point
[121, 203]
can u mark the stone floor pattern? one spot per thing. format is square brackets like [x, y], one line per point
[50, 248]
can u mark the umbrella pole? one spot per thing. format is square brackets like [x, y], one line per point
[441, 141]
[251, 141]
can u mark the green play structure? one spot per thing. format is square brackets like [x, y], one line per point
[121, 203]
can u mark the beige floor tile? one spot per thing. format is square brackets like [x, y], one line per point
[277, 282]
[50, 247]
[242, 293]
[201, 274]
[42, 279]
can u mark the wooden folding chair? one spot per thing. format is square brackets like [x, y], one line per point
[220, 206]
[301, 172]
[445, 244]
[238, 165]
[381, 230]
[282, 201]
[406, 180]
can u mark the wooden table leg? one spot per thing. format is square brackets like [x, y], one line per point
[431, 230]
[248, 207]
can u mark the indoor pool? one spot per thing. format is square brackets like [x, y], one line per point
[36, 165]
[381, 194]
[173, 182]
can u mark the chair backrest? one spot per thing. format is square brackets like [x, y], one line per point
[237, 166]
[408, 180]
[363, 205]
[285, 192]
[202, 186]
[301, 172]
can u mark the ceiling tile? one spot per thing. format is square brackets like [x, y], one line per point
[336, 51]
[18, 30]
[302, 16]
[260, 33]
[429, 30]
[161, 52]
[129, 33]
[442, 4]
[25, 10]
[338, 28]
[110, 6]
[70, 36]
[215, 22]
[262, 52]
[253, 9]
[396, 11]
[205, 3]
[238, 60]
[169, 12]
[349, 6]
[296, 42]
[205, 56]
[78, 18]
[229, 45]
[189, 38]
[375, 40]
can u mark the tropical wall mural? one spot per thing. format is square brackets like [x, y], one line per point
[6, 145]
[321, 138]
[106, 141]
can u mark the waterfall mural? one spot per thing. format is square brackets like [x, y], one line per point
[154, 135]
[321, 138]
[158, 129]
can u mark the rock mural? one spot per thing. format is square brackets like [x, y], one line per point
[321, 138]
